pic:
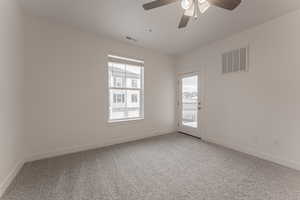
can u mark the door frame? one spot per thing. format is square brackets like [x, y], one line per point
[180, 127]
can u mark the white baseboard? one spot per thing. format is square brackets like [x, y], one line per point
[16, 169]
[8, 180]
[80, 148]
[264, 156]
[10, 177]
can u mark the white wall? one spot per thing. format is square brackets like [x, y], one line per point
[256, 112]
[11, 76]
[66, 94]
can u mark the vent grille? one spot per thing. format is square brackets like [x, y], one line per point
[235, 60]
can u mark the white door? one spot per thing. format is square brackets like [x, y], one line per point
[189, 104]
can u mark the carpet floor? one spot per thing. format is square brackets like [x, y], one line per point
[170, 167]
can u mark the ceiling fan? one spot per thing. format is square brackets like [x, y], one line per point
[192, 8]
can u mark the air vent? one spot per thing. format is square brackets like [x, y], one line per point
[235, 60]
[131, 39]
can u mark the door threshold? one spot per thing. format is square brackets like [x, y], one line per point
[199, 138]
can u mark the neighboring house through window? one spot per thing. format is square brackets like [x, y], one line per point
[117, 81]
[118, 98]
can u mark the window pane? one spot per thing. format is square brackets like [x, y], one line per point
[133, 100]
[133, 103]
[190, 101]
[117, 104]
[133, 76]
[116, 75]
[124, 104]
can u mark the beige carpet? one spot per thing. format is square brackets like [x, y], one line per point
[171, 167]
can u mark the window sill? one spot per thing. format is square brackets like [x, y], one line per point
[124, 121]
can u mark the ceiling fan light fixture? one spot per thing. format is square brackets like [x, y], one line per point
[193, 8]
[186, 4]
[189, 12]
[203, 6]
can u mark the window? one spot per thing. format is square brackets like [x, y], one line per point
[126, 88]
[134, 83]
[134, 98]
[117, 81]
[118, 98]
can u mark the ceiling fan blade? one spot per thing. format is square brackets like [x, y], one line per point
[157, 3]
[226, 4]
[184, 21]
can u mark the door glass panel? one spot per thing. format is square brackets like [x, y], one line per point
[190, 101]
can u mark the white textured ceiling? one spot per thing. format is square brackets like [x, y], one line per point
[120, 18]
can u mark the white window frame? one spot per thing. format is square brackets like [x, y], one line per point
[132, 62]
